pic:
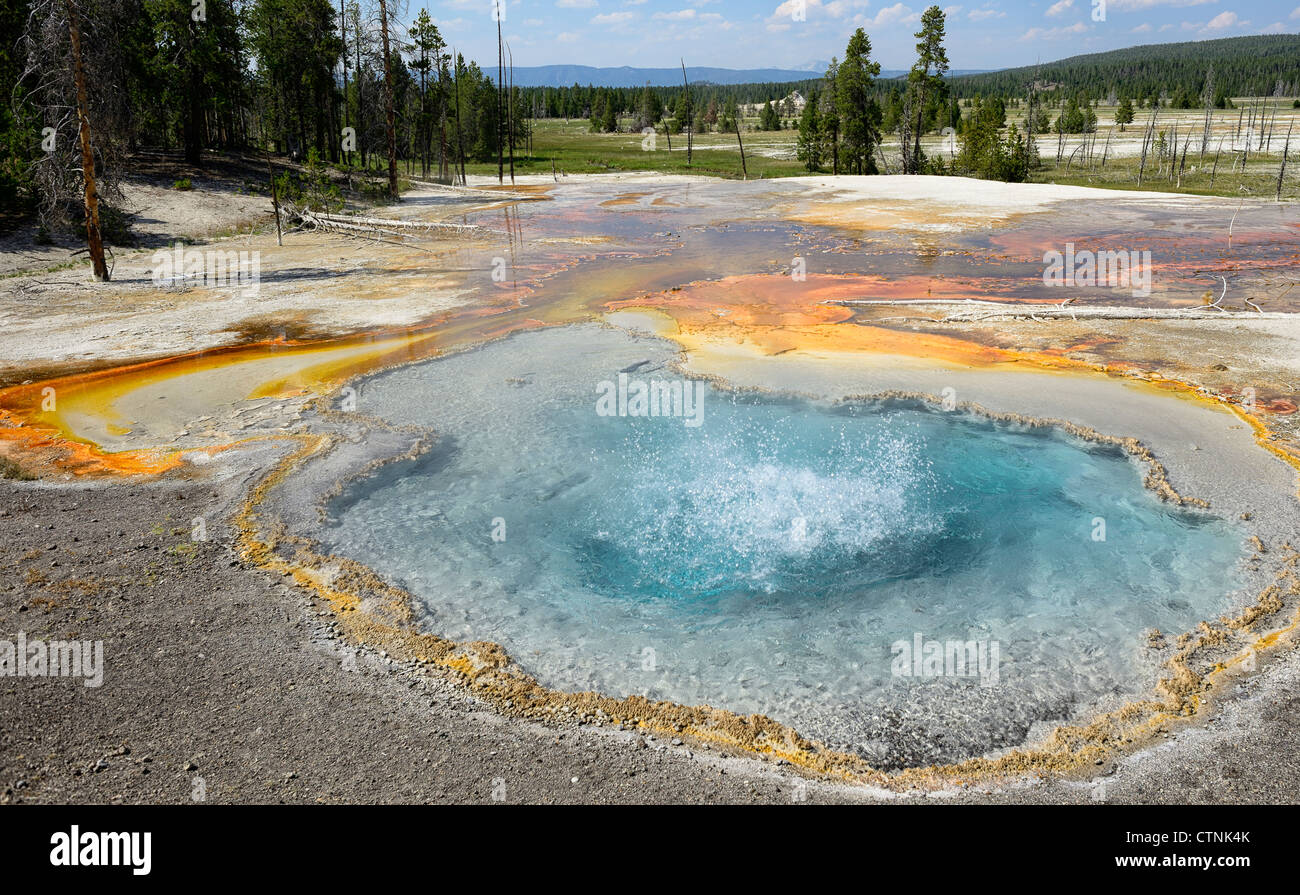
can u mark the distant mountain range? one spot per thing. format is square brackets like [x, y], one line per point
[626, 76]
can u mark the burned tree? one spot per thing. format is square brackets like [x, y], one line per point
[69, 59]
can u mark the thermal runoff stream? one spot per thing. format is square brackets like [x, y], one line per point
[911, 583]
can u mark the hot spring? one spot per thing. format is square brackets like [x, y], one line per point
[913, 584]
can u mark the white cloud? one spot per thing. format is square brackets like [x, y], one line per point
[1275, 28]
[813, 9]
[566, 37]
[1295, 14]
[1059, 7]
[681, 15]
[613, 18]
[988, 12]
[1142, 29]
[575, 4]
[1054, 33]
[896, 13]
[1223, 20]
[1133, 5]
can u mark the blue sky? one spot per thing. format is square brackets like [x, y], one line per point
[768, 33]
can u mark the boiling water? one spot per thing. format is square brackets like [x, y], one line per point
[784, 556]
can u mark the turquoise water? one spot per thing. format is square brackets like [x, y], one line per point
[774, 557]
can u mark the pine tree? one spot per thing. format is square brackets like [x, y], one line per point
[1124, 114]
[809, 146]
[859, 112]
[922, 85]
[829, 114]
[609, 118]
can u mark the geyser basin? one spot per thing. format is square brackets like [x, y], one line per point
[785, 556]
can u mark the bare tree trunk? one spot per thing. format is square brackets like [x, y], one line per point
[94, 239]
[1146, 141]
[275, 200]
[510, 109]
[1183, 162]
[423, 135]
[690, 114]
[501, 165]
[343, 35]
[390, 113]
[460, 131]
[835, 152]
[442, 114]
[1281, 172]
[743, 167]
[1209, 110]
[361, 115]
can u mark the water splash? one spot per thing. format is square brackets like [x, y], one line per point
[768, 560]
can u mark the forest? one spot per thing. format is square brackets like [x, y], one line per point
[1257, 65]
[363, 86]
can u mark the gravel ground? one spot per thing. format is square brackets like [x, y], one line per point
[221, 673]
[223, 680]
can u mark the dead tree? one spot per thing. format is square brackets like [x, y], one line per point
[390, 113]
[1281, 172]
[510, 107]
[690, 114]
[1182, 164]
[94, 239]
[1209, 109]
[343, 44]
[70, 67]
[460, 130]
[1146, 145]
[501, 163]
[743, 167]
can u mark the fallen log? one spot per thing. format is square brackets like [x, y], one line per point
[971, 310]
[362, 226]
[471, 191]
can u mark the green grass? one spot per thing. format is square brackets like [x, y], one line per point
[570, 147]
[1257, 180]
[573, 149]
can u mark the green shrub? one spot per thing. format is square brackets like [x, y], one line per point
[11, 470]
